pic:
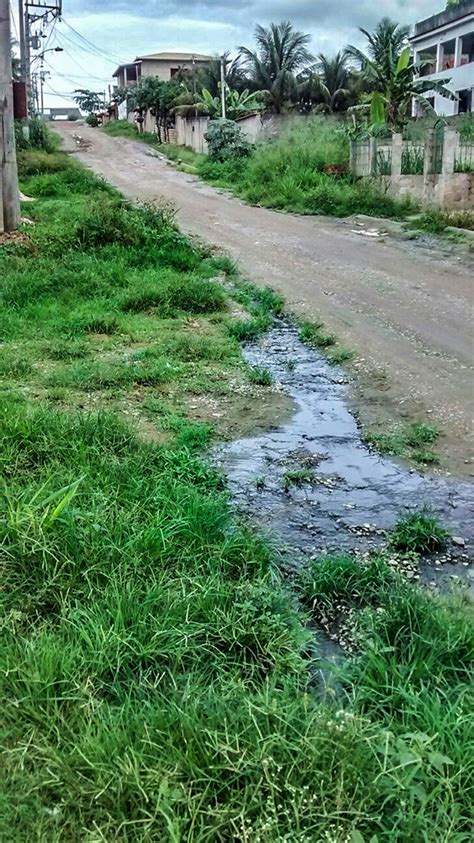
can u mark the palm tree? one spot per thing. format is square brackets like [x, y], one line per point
[234, 74]
[281, 53]
[390, 74]
[385, 44]
[327, 83]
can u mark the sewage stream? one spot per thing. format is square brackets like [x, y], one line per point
[350, 495]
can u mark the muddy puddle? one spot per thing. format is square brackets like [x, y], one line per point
[311, 483]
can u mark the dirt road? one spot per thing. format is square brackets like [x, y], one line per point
[406, 314]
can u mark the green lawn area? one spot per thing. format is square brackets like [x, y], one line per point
[157, 673]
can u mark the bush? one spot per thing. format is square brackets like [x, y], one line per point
[92, 120]
[39, 136]
[226, 140]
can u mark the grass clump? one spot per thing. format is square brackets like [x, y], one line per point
[296, 477]
[260, 376]
[409, 441]
[419, 532]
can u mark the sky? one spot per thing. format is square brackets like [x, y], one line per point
[117, 31]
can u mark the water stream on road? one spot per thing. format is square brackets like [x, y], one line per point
[353, 495]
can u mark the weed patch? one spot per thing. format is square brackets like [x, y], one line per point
[408, 441]
[420, 532]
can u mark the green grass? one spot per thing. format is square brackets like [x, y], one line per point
[156, 677]
[297, 477]
[288, 173]
[260, 376]
[408, 441]
[420, 532]
[124, 129]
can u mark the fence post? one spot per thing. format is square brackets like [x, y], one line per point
[372, 156]
[449, 153]
[397, 149]
[429, 153]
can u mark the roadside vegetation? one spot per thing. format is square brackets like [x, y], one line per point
[411, 441]
[157, 676]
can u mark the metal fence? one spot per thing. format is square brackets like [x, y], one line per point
[464, 158]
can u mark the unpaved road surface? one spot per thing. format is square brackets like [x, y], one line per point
[406, 312]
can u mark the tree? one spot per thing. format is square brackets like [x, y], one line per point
[393, 104]
[282, 52]
[384, 47]
[234, 72]
[390, 74]
[326, 85]
[89, 101]
[237, 104]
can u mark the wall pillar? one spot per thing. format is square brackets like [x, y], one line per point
[449, 152]
[397, 149]
[458, 52]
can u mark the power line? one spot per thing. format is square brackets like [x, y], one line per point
[90, 44]
[78, 46]
[79, 65]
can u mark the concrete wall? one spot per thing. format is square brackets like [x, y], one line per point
[163, 68]
[446, 189]
[192, 133]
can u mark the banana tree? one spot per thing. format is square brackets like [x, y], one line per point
[237, 104]
[392, 102]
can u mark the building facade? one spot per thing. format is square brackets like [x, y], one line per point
[447, 41]
[163, 65]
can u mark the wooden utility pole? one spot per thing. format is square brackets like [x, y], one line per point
[10, 198]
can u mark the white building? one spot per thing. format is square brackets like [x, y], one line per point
[447, 39]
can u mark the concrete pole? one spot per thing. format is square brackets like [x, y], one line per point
[21, 21]
[223, 86]
[10, 204]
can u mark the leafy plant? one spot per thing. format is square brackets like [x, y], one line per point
[226, 140]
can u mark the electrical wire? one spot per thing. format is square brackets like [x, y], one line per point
[100, 50]
[79, 46]
[79, 65]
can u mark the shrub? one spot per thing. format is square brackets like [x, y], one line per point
[92, 120]
[226, 140]
[38, 137]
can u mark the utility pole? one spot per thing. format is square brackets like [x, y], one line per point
[10, 198]
[223, 85]
[21, 20]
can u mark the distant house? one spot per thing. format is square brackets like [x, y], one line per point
[163, 65]
[63, 113]
[447, 40]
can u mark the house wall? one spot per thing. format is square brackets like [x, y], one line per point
[163, 67]
[461, 76]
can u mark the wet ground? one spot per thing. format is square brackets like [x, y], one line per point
[403, 307]
[312, 482]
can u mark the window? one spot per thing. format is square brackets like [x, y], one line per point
[428, 58]
[174, 71]
[448, 54]
[465, 101]
[467, 48]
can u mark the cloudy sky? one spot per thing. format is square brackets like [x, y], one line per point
[118, 30]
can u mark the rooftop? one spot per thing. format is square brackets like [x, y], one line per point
[175, 57]
[464, 9]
